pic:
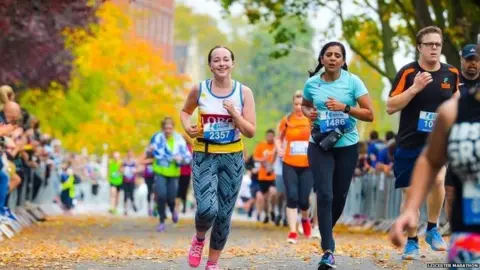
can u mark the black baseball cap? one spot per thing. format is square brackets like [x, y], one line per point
[469, 50]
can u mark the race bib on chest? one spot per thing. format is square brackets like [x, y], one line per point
[332, 120]
[298, 148]
[218, 128]
[128, 172]
[426, 120]
[471, 203]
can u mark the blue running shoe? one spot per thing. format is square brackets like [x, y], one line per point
[411, 250]
[435, 240]
[327, 261]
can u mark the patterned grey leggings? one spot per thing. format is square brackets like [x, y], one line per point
[216, 183]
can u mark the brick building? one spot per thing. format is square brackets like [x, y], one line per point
[155, 23]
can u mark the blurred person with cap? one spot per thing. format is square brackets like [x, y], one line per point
[470, 62]
[469, 77]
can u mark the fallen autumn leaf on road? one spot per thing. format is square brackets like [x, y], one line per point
[63, 242]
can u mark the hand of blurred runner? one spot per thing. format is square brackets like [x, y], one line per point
[407, 220]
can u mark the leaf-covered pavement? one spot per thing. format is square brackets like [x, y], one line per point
[102, 242]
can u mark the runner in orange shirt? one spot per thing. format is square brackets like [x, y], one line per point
[265, 154]
[292, 145]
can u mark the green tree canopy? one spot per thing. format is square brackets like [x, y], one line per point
[376, 29]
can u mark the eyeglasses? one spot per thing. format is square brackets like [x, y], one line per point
[431, 44]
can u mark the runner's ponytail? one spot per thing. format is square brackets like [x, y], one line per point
[317, 69]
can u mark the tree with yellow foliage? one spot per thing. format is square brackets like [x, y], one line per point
[120, 87]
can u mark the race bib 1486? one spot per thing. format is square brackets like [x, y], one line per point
[426, 120]
[218, 128]
[331, 120]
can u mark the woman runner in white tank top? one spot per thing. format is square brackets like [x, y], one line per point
[226, 112]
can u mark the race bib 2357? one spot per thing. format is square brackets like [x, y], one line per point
[218, 128]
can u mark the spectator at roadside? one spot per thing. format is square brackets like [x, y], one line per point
[385, 158]
[363, 165]
[389, 135]
[9, 117]
[28, 158]
[67, 194]
[375, 145]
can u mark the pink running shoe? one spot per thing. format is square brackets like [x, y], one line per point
[195, 253]
[212, 266]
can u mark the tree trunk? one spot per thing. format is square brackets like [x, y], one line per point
[449, 49]
[422, 14]
[387, 37]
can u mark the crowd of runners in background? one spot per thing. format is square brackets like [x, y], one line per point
[299, 175]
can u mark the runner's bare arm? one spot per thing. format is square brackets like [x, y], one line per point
[189, 107]
[364, 112]
[433, 157]
[456, 94]
[281, 135]
[246, 122]
[400, 101]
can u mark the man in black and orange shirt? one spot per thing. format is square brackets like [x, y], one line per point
[419, 89]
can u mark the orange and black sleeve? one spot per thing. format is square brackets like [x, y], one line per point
[400, 83]
[454, 70]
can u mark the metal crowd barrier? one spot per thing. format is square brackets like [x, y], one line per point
[374, 203]
[30, 210]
